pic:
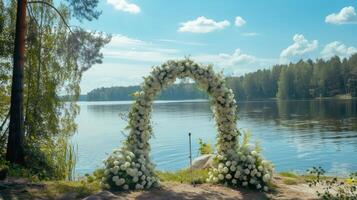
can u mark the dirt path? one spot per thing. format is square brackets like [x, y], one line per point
[168, 191]
[176, 191]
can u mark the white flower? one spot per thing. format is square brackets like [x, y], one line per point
[126, 187]
[260, 168]
[243, 158]
[138, 186]
[259, 186]
[225, 170]
[228, 163]
[228, 176]
[115, 178]
[259, 174]
[234, 181]
[237, 174]
[265, 188]
[220, 176]
[245, 183]
[135, 179]
[247, 171]
[127, 164]
[143, 177]
[233, 168]
[266, 178]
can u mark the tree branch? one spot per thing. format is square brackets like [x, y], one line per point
[54, 8]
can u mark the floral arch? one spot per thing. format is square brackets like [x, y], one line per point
[130, 167]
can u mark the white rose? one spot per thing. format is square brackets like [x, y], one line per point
[220, 176]
[228, 163]
[233, 168]
[115, 178]
[265, 188]
[225, 170]
[247, 171]
[245, 183]
[259, 174]
[126, 187]
[259, 186]
[228, 176]
[266, 178]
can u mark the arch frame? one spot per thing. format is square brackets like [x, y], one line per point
[130, 166]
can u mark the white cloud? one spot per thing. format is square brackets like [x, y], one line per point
[202, 25]
[237, 63]
[337, 48]
[124, 41]
[250, 34]
[347, 15]
[239, 21]
[124, 48]
[299, 49]
[125, 61]
[182, 42]
[125, 6]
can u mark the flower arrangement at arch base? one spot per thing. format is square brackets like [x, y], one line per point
[247, 169]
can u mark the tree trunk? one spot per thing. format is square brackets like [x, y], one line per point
[15, 145]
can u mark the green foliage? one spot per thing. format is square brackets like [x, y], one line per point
[204, 148]
[288, 174]
[55, 61]
[174, 92]
[333, 188]
[184, 176]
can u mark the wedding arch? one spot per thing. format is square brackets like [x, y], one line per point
[130, 167]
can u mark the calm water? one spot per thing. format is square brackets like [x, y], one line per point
[295, 135]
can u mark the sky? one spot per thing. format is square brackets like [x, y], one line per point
[236, 36]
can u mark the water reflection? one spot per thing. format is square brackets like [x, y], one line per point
[295, 135]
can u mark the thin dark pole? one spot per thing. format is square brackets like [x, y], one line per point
[15, 151]
[191, 172]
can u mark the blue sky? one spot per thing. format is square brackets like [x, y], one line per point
[237, 36]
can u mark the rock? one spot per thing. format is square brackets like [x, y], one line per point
[203, 162]
[103, 195]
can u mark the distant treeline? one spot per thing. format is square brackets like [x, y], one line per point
[302, 80]
[180, 91]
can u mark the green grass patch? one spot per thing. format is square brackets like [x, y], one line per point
[78, 189]
[184, 176]
[290, 181]
[289, 174]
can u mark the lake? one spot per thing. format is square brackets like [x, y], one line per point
[294, 135]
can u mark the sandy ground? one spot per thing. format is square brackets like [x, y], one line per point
[168, 191]
[176, 191]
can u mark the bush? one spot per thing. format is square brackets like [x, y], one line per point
[333, 188]
[205, 148]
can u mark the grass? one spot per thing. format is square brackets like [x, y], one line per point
[291, 178]
[184, 176]
[289, 174]
[80, 189]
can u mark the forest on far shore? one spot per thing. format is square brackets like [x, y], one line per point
[302, 80]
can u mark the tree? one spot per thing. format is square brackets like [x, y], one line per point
[56, 57]
[15, 146]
